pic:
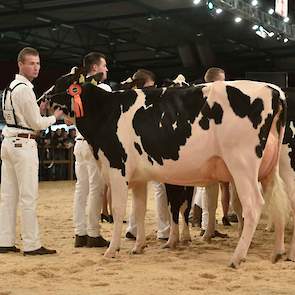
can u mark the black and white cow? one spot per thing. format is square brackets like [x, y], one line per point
[224, 131]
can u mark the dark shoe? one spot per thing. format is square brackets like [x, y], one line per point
[97, 242]
[80, 241]
[218, 234]
[232, 217]
[9, 249]
[225, 221]
[40, 251]
[104, 217]
[111, 219]
[130, 236]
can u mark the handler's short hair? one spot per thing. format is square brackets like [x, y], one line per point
[211, 74]
[26, 51]
[92, 58]
[143, 74]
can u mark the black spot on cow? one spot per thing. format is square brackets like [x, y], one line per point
[265, 128]
[151, 160]
[138, 148]
[215, 113]
[289, 136]
[263, 135]
[164, 123]
[177, 195]
[242, 106]
[99, 125]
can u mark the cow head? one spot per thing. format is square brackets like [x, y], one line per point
[67, 90]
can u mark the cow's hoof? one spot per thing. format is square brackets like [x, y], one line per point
[135, 251]
[110, 254]
[185, 242]
[290, 257]
[207, 238]
[277, 256]
[169, 245]
[236, 263]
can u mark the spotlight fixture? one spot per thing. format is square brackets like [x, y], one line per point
[254, 2]
[238, 19]
[255, 27]
[218, 10]
[210, 5]
[271, 11]
[286, 19]
[286, 40]
[197, 2]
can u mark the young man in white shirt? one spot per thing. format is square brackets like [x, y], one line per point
[19, 156]
[90, 185]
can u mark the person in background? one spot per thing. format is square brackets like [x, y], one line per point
[19, 156]
[90, 185]
[144, 79]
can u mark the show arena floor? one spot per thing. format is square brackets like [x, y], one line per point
[199, 268]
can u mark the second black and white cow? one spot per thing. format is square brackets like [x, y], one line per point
[225, 131]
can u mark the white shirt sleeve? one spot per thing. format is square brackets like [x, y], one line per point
[105, 87]
[30, 111]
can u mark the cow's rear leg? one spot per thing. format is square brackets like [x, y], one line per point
[210, 201]
[185, 211]
[287, 173]
[237, 207]
[139, 201]
[119, 203]
[252, 203]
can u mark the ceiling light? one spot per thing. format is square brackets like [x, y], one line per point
[219, 10]
[271, 34]
[255, 27]
[286, 40]
[254, 2]
[271, 11]
[286, 19]
[196, 2]
[122, 40]
[238, 19]
[210, 5]
[103, 35]
[43, 19]
[67, 26]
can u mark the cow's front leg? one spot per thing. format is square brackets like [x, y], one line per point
[139, 201]
[173, 235]
[119, 190]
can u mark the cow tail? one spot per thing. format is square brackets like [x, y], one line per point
[276, 197]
